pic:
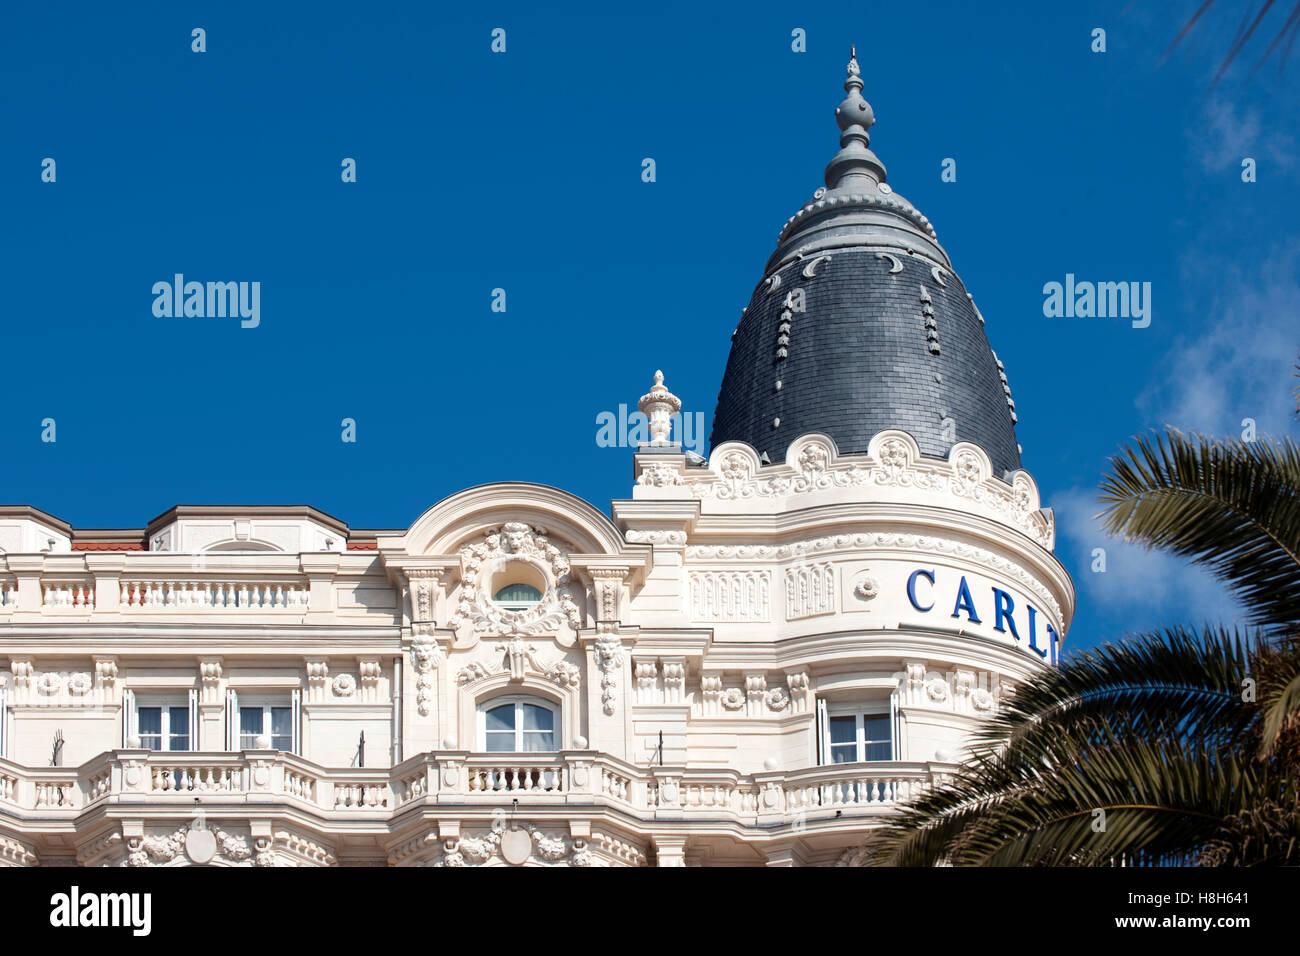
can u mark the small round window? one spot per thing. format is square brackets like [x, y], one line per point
[518, 597]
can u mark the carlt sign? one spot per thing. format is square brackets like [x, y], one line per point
[998, 609]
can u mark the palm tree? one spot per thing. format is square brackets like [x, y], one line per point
[1179, 746]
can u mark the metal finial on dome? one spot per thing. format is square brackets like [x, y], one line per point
[854, 166]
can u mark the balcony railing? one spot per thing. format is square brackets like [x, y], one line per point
[574, 777]
[151, 584]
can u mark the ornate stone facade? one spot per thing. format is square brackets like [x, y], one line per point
[751, 661]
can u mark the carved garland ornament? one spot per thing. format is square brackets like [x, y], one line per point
[514, 847]
[162, 849]
[514, 541]
[520, 660]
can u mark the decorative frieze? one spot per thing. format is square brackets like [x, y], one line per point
[731, 595]
[809, 591]
[879, 539]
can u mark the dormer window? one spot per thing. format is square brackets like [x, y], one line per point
[518, 597]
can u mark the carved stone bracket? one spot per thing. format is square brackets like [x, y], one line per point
[608, 584]
[425, 584]
[608, 652]
[426, 656]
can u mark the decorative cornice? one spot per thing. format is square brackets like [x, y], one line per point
[893, 460]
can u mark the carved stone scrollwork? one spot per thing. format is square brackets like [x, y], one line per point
[514, 847]
[660, 475]
[162, 849]
[514, 541]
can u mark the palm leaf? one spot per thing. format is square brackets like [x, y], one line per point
[1174, 681]
[1163, 799]
[1231, 506]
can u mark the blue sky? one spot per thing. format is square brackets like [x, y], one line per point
[522, 171]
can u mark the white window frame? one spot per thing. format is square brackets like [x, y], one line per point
[858, 709]
[235, 707]
[169, 704]
[518, 700]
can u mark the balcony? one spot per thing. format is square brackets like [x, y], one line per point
[262, 779]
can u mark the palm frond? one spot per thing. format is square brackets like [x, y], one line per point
[1166, 798]
[1231, 506]
[1173, 681]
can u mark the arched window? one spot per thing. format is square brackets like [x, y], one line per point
[519, 725]
[518, 597]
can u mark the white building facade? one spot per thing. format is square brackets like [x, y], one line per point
[749, 661]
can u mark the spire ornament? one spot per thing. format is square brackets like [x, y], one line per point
[854, 166]
[659, 406]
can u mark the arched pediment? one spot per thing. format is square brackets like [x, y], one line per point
[445, 527]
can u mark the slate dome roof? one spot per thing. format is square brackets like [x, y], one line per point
[860, 324]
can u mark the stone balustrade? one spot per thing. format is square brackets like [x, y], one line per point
[212, 595]
[577, 777]
[148, 583]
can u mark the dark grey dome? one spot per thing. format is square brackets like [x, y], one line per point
[860, 324]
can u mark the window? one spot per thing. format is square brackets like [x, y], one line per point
[163, 726]
[518, 597]
[266, 720]
[852, 733]
[518, 725]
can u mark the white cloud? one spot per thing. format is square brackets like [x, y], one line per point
[1242, 367]
[1230, 134]
[1146, 589]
